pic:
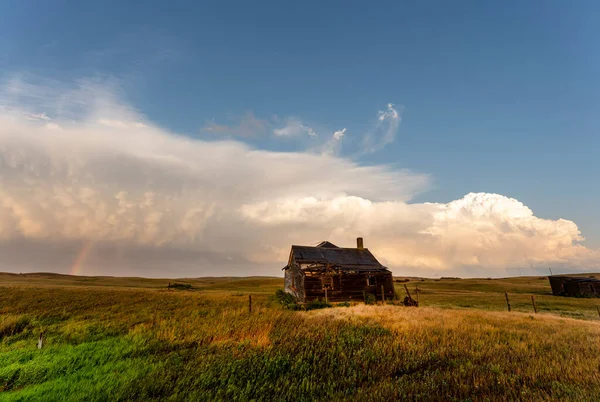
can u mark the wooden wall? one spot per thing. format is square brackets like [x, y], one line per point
[349, 286]
[294, 282]
[568, 287]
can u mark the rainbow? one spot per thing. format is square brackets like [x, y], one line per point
[76, 268]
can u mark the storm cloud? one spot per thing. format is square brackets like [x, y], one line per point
[141, 200]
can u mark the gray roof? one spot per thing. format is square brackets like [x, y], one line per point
[573, 278]
[326, 244]
[344, 258]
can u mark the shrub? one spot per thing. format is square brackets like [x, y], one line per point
[344, 304]
[317, 304]
[180, 286]
[370, 298]
[286, 300]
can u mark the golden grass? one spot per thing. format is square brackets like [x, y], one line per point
[146, 343]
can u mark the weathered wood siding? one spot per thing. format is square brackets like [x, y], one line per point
[307, 282]
[573, 286]
[349, 286]
[294, 282]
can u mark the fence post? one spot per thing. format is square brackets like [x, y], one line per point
[249, 303]
[533, 302]
[41, 340]
[326, 300]
[507, 302]
[598, 308]
[382, 295]
[417, 291]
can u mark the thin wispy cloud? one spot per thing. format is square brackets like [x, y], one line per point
[384, 131]
[292, 128]
[39, 116]
[333, 145]
[247, 126]
[338, 135]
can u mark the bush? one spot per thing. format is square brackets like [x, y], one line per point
[344, 304]
[286, 300]
[370, 298]
[180, 286]
[317, 304]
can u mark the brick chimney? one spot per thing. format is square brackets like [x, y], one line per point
[359, 243]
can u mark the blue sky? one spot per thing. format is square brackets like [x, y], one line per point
[495, 97]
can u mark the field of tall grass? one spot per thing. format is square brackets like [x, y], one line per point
[133, 339]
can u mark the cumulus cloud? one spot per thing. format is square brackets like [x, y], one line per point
[156, 203]
[479, 234]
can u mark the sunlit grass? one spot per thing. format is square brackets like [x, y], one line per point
[111, 342]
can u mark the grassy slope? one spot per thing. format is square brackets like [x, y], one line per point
[130, 339]
[488, 294]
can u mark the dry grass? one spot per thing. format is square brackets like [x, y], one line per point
[134, 343]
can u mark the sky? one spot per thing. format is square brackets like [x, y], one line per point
[172, 139]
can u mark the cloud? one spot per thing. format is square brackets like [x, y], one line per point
[480, 234]
[153, 203]
[339, 134]
[293, 127]
[385, 130]
[333, 145]
[39, 116]
[247, 126]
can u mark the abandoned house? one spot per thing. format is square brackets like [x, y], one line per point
[574, 286]
[327, 271]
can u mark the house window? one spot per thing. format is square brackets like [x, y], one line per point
[327, 282]
[370, 280]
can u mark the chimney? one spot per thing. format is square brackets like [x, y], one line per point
[359, 243]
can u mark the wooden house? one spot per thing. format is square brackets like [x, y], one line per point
[576, 286]
[336, 273]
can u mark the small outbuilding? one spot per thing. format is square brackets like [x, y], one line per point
[336, 273]
[574, 286]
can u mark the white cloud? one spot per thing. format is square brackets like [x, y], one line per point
[480, 233]
[389, 113]
[294, 127]
[39, 116]
[246, 126]
[339, 134]
[158, 204]
[332, 146]
[385, 130]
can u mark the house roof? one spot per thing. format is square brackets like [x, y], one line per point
[342, 258]
[326, 244]
[573, 278]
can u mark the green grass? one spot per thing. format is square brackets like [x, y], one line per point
[488, 294]
[119, 339]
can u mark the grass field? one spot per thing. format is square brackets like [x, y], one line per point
[133, 339]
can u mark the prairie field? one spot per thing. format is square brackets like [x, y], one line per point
[134, 339]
